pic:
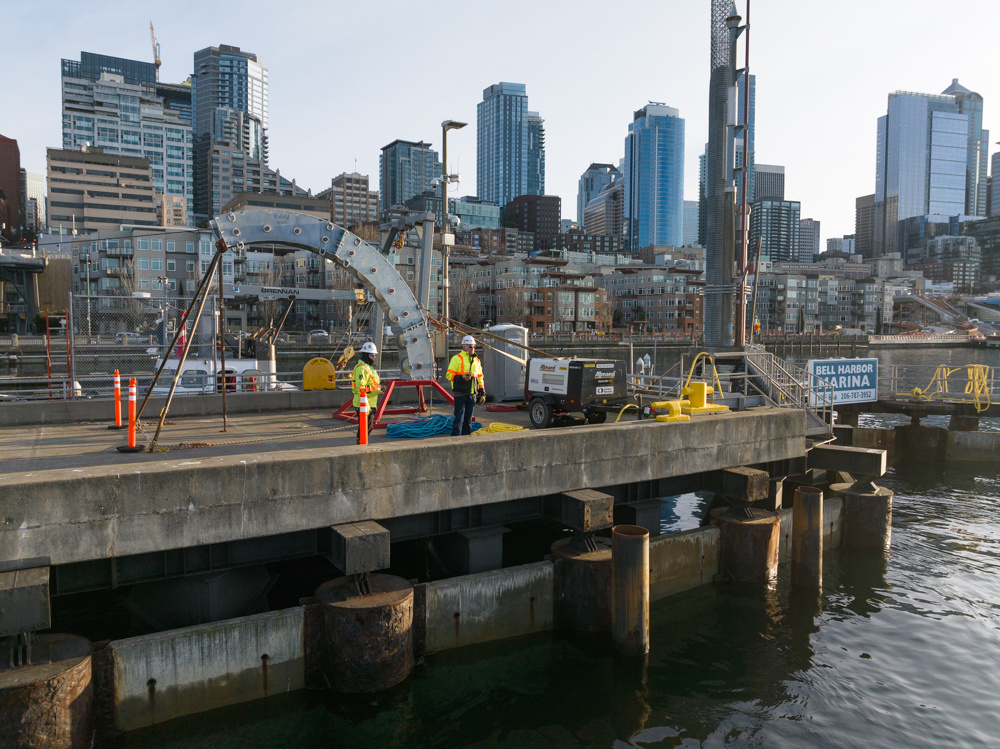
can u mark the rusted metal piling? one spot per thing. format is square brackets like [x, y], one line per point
[750, 546]
[807, 538]
[369, 638]
[630, 589]
[48, 702]
[867, 516]
[583, 585]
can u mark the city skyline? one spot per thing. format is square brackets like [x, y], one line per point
[826, 147]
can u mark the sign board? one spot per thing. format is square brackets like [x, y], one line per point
[853, 380]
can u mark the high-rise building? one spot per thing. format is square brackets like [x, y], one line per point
[922, 156]
[971, 103]
[538, 214]
[350, 199]
[510, 145]
[33, 200]
[843, 244]
[808, 239]
[748, 120]
[776, 224]
[536, 154]
[770, 182]
[229, 98]
[10, 188]
[654, 178]
[592, 182]
[690, 222]
[605, 213]
[113, 103]
[994, 204]
[406, 169]
[91, 190]
[864, 225]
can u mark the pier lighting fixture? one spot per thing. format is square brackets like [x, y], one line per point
[446, 238]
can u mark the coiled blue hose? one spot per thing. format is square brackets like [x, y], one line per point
[430, 426]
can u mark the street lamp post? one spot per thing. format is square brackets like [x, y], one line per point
[446, 228]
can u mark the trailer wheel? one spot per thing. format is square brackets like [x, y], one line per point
[596, 417]
[539, 413]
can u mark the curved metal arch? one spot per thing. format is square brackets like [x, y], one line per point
[361, 259]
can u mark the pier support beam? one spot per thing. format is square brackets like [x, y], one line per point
[963, 423]
[369, 639]
[807, 538]
[750, 547]
[630, 589]
[48, 703]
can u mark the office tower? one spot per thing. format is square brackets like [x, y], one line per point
[33, 199]
[538, 214]
[536, 154]
[971, 103]
[843, 244]
[591, 183]
[808, 239]
[10, 188]
[922, 155]
[113, 103]
[91, 190]
[351, 202]
[703, 196]
[654, 178]
[776, 224]
[690, 222]
[406, 169]
[864, 225]
[605, 213]
[770, 182]
[994, 205]
[738, 140]
[229, 102]
[510, 145]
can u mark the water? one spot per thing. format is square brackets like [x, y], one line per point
[901, 650]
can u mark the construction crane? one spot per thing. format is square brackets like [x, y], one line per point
[156, 50]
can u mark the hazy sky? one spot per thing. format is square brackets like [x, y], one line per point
[346, 78]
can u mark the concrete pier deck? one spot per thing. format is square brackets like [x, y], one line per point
[67, 496]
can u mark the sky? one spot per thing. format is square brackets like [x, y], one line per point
[349, 77]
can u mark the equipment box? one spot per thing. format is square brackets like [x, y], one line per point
[590, 386]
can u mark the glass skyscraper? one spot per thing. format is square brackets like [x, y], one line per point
[922, 155]
[654, 178]
[406, 170]
[971, 103]
[591, 183]
[510, 145]
[229, 99]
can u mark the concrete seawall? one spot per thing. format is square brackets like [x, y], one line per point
[171, 674]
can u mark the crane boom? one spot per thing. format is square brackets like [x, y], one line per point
[156, 50]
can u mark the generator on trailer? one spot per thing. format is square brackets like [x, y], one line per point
[558, 386]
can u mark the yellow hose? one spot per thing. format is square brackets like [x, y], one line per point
[626, 406]
[498, 427]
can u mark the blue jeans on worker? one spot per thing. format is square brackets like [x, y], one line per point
[464, 404]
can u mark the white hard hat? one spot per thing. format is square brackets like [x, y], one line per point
[369, 348]
[468, 341]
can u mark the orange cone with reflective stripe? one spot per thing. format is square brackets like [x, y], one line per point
[363, 417]
[131, 412]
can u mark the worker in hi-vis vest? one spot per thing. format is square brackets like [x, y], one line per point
[365, 376]
[465, 373]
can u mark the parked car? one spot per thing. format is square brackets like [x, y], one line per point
[319, 333]
[131, 338]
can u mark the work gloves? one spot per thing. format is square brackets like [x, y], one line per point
[467, 377]
[482, 397]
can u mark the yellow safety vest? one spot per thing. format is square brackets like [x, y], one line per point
[462, 364]
[364, 376]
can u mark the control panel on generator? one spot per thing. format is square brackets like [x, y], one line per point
[592, 387]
